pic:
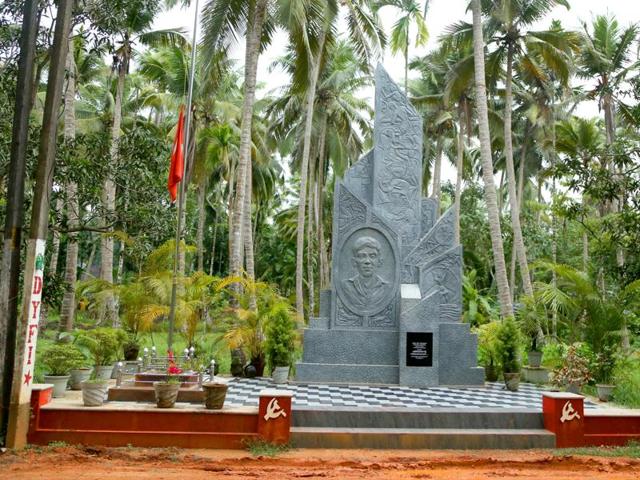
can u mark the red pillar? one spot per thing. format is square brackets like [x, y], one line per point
[274, 416]
[564, 415]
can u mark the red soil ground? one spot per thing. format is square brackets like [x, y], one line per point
[79, 463]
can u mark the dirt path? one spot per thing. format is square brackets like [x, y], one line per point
[79, 463]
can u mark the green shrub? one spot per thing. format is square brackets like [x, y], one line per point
[553, 355]
[575, 369]
[487, 349]
[508, 346]
[626, 378]
[281, 337]
[103, 344]
[61, 358]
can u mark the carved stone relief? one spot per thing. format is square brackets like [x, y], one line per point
[437, 241]
[367, 277]
[351, 210]
[443, 274]
[359, 177]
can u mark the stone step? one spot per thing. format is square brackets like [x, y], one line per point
[345, 417]
[408, 438]
[346, 373]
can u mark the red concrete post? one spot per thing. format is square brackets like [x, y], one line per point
[564, 415]
[274, 416]
[41, 394]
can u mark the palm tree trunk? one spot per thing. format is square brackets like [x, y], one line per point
[67, 310]
[523, 155]
[311, 95]
[247, 227]
[213, 244]
[310, 215]
[251, 64]
[109, 199]
[201, 217]
[86, 274]
[518, 241]
[55, 243]
[504, 296]
[322, 247]
[437, 173]
[459, 166]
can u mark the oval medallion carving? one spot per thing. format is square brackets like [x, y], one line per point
[368, 276]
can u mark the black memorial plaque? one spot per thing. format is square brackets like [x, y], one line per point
[419, 349]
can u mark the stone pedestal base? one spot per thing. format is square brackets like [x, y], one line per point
[538, 375]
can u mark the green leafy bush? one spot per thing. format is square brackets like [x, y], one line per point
[626, 377]
[488, 351]
[60, 359]
[281, 337]
[103, 344]
[508, 346]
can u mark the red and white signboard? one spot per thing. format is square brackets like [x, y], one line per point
[33, 319]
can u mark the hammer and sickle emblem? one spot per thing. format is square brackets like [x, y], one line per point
[274, 411]
[568, 412]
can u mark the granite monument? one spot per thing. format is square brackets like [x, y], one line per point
[393, 312]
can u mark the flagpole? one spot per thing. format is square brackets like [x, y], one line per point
[181, 188]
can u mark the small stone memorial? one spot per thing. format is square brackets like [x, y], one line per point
[393, 312]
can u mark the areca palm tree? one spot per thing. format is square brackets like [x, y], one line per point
[410, 13]
[82, 68]
[130, 22]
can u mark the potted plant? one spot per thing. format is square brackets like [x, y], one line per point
[59, 360]
[604, 365]
[280, 343]
[94, 390]
[574, 373]
[131, 348]
[103, 344]
[166, 391]
[534, 355]
[508, 341]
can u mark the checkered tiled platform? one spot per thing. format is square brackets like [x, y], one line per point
[244, 392]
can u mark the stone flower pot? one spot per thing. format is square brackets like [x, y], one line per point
[103, 372]
[93, 393]
[79, 375]
[280, 374]
[604, 392]
[535, 359]
[214, 395]
[59, 384]
[572, 388]
[512, 381]
[166, 394]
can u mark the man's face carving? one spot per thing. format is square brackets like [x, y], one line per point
[366, 260]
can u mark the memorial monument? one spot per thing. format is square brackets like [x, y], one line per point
[393, 312]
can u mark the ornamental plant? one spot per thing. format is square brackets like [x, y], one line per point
[281, 337]
[103, 344]
[508, 345]
[60, 359]
[574, 371]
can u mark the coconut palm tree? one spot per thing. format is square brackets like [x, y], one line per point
[410, 13]
[504, 295]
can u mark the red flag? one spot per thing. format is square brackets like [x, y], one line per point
[177, 158]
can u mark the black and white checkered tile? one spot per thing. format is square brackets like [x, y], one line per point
[244, 392]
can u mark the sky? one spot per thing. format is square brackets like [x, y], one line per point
[441, 14]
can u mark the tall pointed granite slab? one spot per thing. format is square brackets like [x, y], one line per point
[393, 312]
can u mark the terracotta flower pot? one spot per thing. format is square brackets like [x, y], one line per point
[604, 392]
[166, 394]
[59, 383]
[512, 381]
[280, 374]
[93, 393]
[214, 395]
[79, 375]
[535, 359]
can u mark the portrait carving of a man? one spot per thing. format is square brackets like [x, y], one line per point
[366, 287]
